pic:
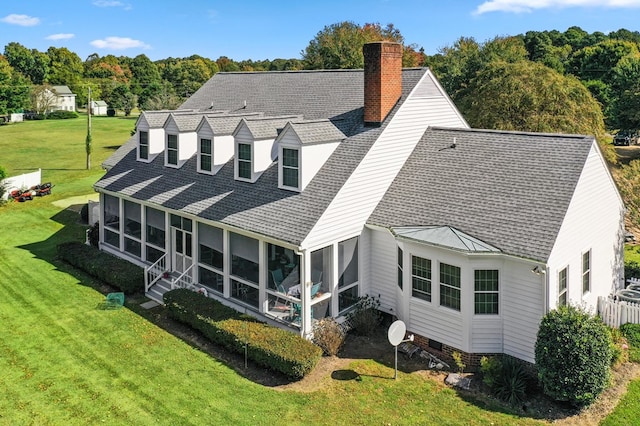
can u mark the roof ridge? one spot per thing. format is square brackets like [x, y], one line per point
[509, 132]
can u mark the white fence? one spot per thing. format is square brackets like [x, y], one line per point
[23, 181]
[614, 313]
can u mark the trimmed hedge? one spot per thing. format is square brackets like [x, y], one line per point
[271, 347]
[62, 115]
[118, 273]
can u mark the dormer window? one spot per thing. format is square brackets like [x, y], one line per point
[172, 150]
[205, 156]
[143, 146]
[290, 168]
[244, 161]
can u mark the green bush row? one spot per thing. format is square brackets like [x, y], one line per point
[271, 347]
[118, 273]
[62, 115]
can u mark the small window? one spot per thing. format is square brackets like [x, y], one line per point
[205, 155]
[421, 278]
[244, 161]
[400, 268]
[450, 286]
[562, 287]
[290, 167]
[586, 272]
[172, 150]
[486, 292]
[143, 147]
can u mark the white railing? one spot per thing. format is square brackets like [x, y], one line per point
[154, 272]
[185, 280]
[614, 313]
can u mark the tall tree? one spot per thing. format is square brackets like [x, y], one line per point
[14, 89]
[529, 96]
[145, 78]
[339, 46]
[30, 63]
[65, 67]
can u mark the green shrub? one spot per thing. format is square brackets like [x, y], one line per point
[109, 269]
[573, 355]
[632, 333]
[512, 382]
[491, 368]
[631, 269]
[271, 347]
[329, 335]
[62, 115]
[365, 316]
[619, 348]
[506, 377]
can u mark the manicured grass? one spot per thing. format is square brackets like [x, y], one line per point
[64, 361]
[632, 253]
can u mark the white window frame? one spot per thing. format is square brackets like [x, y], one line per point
[239, 160]
[450, 286]
[202, 155]
[140, 145]
[586, 272]
[564, 291]
[282, 167]
[428, 280]
[478, 292]
[166, 159]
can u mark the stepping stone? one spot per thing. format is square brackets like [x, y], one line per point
[150, 304]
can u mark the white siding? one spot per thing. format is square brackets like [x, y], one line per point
[594, 221]
[383, 266]
[312, 157]
[355, 202]
[187, 141]
[523, 304]
[222, 151]
[264, 155]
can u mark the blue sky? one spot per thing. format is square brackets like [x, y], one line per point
[254, 29]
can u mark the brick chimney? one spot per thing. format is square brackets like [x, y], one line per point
[382, 80]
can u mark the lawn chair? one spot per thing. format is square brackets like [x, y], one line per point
[114, 300]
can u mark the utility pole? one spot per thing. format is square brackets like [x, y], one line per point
[88, 140]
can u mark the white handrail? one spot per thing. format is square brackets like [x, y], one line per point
[185, 280]
[154, 272]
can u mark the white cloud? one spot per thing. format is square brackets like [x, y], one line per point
[527, 6]
[119, 43]
[22, 20]
[60, 36]
[111, 3]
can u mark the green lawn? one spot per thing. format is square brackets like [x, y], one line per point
[63, 361]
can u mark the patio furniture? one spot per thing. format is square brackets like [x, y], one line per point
[276, 276]
[315, 288]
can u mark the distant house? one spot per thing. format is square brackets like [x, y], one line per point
[57, 98]
[289, 195]
[98, 108]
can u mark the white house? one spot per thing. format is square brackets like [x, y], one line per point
[57, 98]
[292, 194]
[98, 108]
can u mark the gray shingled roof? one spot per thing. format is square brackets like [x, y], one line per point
[62, 90]
[508, 189]
[226, 124]
[268, 127]
[317, 131]
[187, 122]
[261, 207]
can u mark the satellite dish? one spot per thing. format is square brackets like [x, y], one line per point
[397, 330]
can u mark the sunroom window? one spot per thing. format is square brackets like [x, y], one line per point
[486, 294]
[210, 257]
[172, 150]
[111, 220]
[347, 273]
[450, 286]
[205, 155]
[244, 265]
[132, 228]
[400, 267]
[244, 161]
[155, 245]
[290, 167]
[421, 278]
[143, 146]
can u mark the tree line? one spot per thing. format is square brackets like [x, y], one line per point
[550, 81]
